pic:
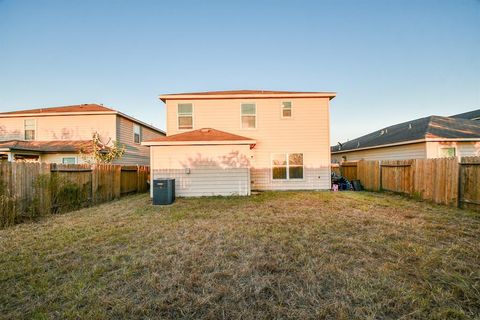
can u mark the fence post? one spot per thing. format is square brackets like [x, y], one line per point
[94, 186]
[44, 186]
[459, 189]
[117, 186]
[380, 186]
[138, 179]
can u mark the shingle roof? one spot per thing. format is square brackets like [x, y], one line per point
[49, 146]
[475, 114]
[428, 127]
[63, 109]
[204, 134]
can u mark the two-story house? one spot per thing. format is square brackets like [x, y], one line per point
[60, 134]
[232, 142]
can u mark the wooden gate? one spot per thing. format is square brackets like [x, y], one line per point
[469, 183]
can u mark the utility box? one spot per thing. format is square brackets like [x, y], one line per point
[163, 191]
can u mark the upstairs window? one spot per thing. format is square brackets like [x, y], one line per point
[137, 133]
[29, 128]
[287, 166]
[185, 116]
[249, 116]
[286, 109]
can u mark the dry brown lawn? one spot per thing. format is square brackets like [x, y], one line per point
[282, 255]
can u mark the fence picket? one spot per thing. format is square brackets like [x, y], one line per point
[445, 180]
[32, 189]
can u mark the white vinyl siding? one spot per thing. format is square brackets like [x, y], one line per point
[134, 153]
[204, 170]
[185, 116]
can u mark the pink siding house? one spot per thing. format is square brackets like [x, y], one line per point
[58, 134]
[232, 142]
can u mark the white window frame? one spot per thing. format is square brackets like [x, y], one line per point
[448, 147]
[193, 117]
[291, 110]
[75, 158]
[287, 166]
[24, 131]
[241, 115]
[135, 125]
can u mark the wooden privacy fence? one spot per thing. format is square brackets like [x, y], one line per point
[33, 189]
[449, 181]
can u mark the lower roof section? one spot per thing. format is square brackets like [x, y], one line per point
[204, 136]
[53, 146]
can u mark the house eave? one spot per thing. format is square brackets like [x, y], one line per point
[165, 97]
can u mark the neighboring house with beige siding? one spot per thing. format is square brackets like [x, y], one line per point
[60, 134]
[430, 137]
[232, 142]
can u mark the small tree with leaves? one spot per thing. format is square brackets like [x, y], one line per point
[103, 152]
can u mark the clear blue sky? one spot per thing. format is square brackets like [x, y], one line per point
[389, 61]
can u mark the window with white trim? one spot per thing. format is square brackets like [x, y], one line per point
[137, 133]
[447, 152]
[69, 160]
[286, 109]
[185, 116]
[249, 115]
[287, 166]
[29, 128]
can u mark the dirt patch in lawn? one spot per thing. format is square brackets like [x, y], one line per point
[302, 255]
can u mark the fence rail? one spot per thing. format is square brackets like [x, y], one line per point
[449, 181]
[34, 189]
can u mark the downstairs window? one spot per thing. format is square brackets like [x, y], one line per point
[287, 166]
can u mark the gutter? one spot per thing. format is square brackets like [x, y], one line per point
[407, 142]
[198, 143]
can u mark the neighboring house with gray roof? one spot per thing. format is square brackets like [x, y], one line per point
[429, 137]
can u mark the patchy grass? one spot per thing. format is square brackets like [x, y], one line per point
[303, 255]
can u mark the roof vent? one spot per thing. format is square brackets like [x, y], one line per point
[205, 130]
[409, 126]
[382, 132]
[358, 144]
